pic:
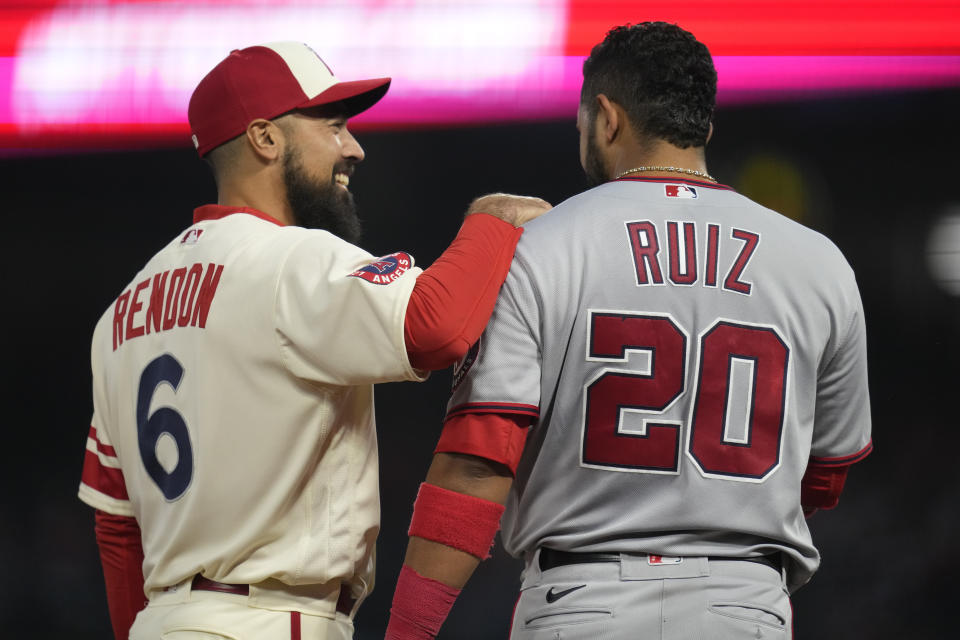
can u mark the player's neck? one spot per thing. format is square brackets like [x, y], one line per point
[662, 154]
[251, 193]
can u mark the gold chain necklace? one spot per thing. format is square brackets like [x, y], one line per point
[692, 172]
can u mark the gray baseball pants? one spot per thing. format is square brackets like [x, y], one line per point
[693, 599]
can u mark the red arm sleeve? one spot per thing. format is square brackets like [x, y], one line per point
[453, 299]
[494, 436]
[121, 554]
[823, 481]
[821, 487]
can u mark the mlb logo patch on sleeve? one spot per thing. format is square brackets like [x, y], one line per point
[680, 191]
[386, 269]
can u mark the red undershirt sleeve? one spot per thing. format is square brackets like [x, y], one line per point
[821, 487]
[121, 553]
[494, 436]
[452, 300]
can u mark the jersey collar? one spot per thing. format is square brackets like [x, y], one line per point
[664, 179]
[216, 211]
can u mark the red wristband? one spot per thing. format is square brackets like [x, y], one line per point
[420, 605]
[455, 519]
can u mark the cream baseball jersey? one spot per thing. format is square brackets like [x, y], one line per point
[233, 402]
[685, 352]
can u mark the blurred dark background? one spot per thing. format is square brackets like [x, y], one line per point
[875, 173]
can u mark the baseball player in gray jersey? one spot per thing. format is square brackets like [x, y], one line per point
[673, 379]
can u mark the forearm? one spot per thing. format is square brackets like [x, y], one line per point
[455, 519]
[470, 476]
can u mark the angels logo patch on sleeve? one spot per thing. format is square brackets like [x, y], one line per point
[386, 269]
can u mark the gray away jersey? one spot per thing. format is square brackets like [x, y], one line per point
[686, 351]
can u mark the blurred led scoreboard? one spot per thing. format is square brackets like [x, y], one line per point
[119, 73]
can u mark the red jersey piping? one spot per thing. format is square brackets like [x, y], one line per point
[216, 211]
[696, 183]
[843, 461]
[512, 408]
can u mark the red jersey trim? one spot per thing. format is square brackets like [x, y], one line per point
[513, 408]
[843, 461]
[96, 475]
[216, 212]
[105, 449]
[106, 480]
[696, 183]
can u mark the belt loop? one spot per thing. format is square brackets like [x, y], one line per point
[532, 575]
[346, 603]
[781, 557]
[174, 594]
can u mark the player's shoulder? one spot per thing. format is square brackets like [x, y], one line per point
[574, 210]
[265, 244]
[804, 257]
[588, 199]
[798, 237]
[239, 240]
[243, 226]
[584, 213]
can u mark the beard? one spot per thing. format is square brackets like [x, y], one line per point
[594, 167]
[318, 205]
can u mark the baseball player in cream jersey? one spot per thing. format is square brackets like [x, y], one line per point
[232, 456]
[692, 368]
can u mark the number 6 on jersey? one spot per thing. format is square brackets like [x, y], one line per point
[165, 420]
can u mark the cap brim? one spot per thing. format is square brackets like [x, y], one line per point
[357, 96]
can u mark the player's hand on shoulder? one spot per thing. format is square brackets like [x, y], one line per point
[516, 210]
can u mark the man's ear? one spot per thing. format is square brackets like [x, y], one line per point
[709, 133]
[609, 119]
[266, 139]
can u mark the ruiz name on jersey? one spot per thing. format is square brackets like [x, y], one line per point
[681, 255]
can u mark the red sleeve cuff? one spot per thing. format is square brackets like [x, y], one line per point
[821, 486]
[493, 436]
[96, 475]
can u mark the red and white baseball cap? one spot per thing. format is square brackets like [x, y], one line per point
[266, 81]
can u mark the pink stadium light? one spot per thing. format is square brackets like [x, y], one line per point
[114, 73]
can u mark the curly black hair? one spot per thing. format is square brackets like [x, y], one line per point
[661, 75]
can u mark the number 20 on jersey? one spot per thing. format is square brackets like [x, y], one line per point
[738, 407]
